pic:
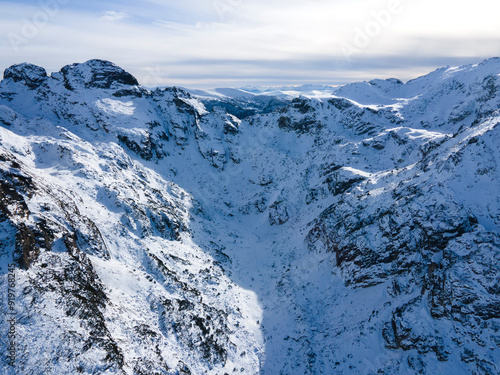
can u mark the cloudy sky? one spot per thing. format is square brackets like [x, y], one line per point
[228, 43]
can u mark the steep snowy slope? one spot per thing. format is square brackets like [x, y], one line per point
[163, 232]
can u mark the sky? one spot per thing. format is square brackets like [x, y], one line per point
[234, 43]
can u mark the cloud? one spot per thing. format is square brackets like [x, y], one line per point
[113, 16]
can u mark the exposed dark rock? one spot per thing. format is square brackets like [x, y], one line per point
[405, 227]
[278, 213]
[304, 125]
[135, 92]
[30, 75]
[339, 182]
[197, 326]
[96, 74]
[340, 103]
[146, 149]
[404, 332]
[302, 105]
[81, 296]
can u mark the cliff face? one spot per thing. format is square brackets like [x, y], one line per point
[155, 232]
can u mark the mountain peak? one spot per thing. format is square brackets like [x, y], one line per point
[31, 75]
[97, 74]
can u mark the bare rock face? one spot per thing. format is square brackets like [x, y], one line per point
[73, 279]
[448, 295]
[278, 213]
[99, 74]
[372, 245]
[201, 328]
[30, 75]
[300, 117]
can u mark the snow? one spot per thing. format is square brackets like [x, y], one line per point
[115, 107]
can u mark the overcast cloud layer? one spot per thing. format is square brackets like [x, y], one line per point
[217, 43]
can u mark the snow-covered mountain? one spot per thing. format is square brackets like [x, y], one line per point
[249, 101]
[292, 91]
[168, 232]
[285, 92]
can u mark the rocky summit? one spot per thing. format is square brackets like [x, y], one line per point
[354, 230]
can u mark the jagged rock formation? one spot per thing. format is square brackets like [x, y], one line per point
[169, 232]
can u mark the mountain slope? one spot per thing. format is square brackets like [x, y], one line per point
[156, 233]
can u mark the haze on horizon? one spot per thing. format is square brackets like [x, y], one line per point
[230, 43]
